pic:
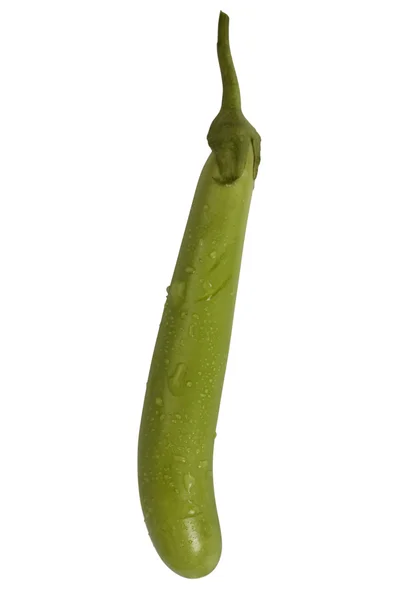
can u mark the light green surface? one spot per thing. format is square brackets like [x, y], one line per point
[184, 388]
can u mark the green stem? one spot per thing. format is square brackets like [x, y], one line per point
[230, 84]
[230, 134]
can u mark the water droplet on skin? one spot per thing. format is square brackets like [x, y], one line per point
[189, 481]
[213, 254]
[183, 314]
[166, 361]
[206, 207]
[176, 380]
[203, 464]
[178, 416]
[192, 330]
[189, 270]
[195, 316]
[162, 417]
[181, 459]
[189, 384]
[159, 401]
[177, 292]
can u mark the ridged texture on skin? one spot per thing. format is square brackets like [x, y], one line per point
[186, 377]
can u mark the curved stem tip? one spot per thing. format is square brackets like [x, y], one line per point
[230, 84]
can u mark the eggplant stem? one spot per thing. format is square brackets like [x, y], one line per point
[230, 84]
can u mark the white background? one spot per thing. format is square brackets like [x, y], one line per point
[104, 111]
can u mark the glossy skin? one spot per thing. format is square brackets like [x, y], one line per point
[186, 377]
[177, 432]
